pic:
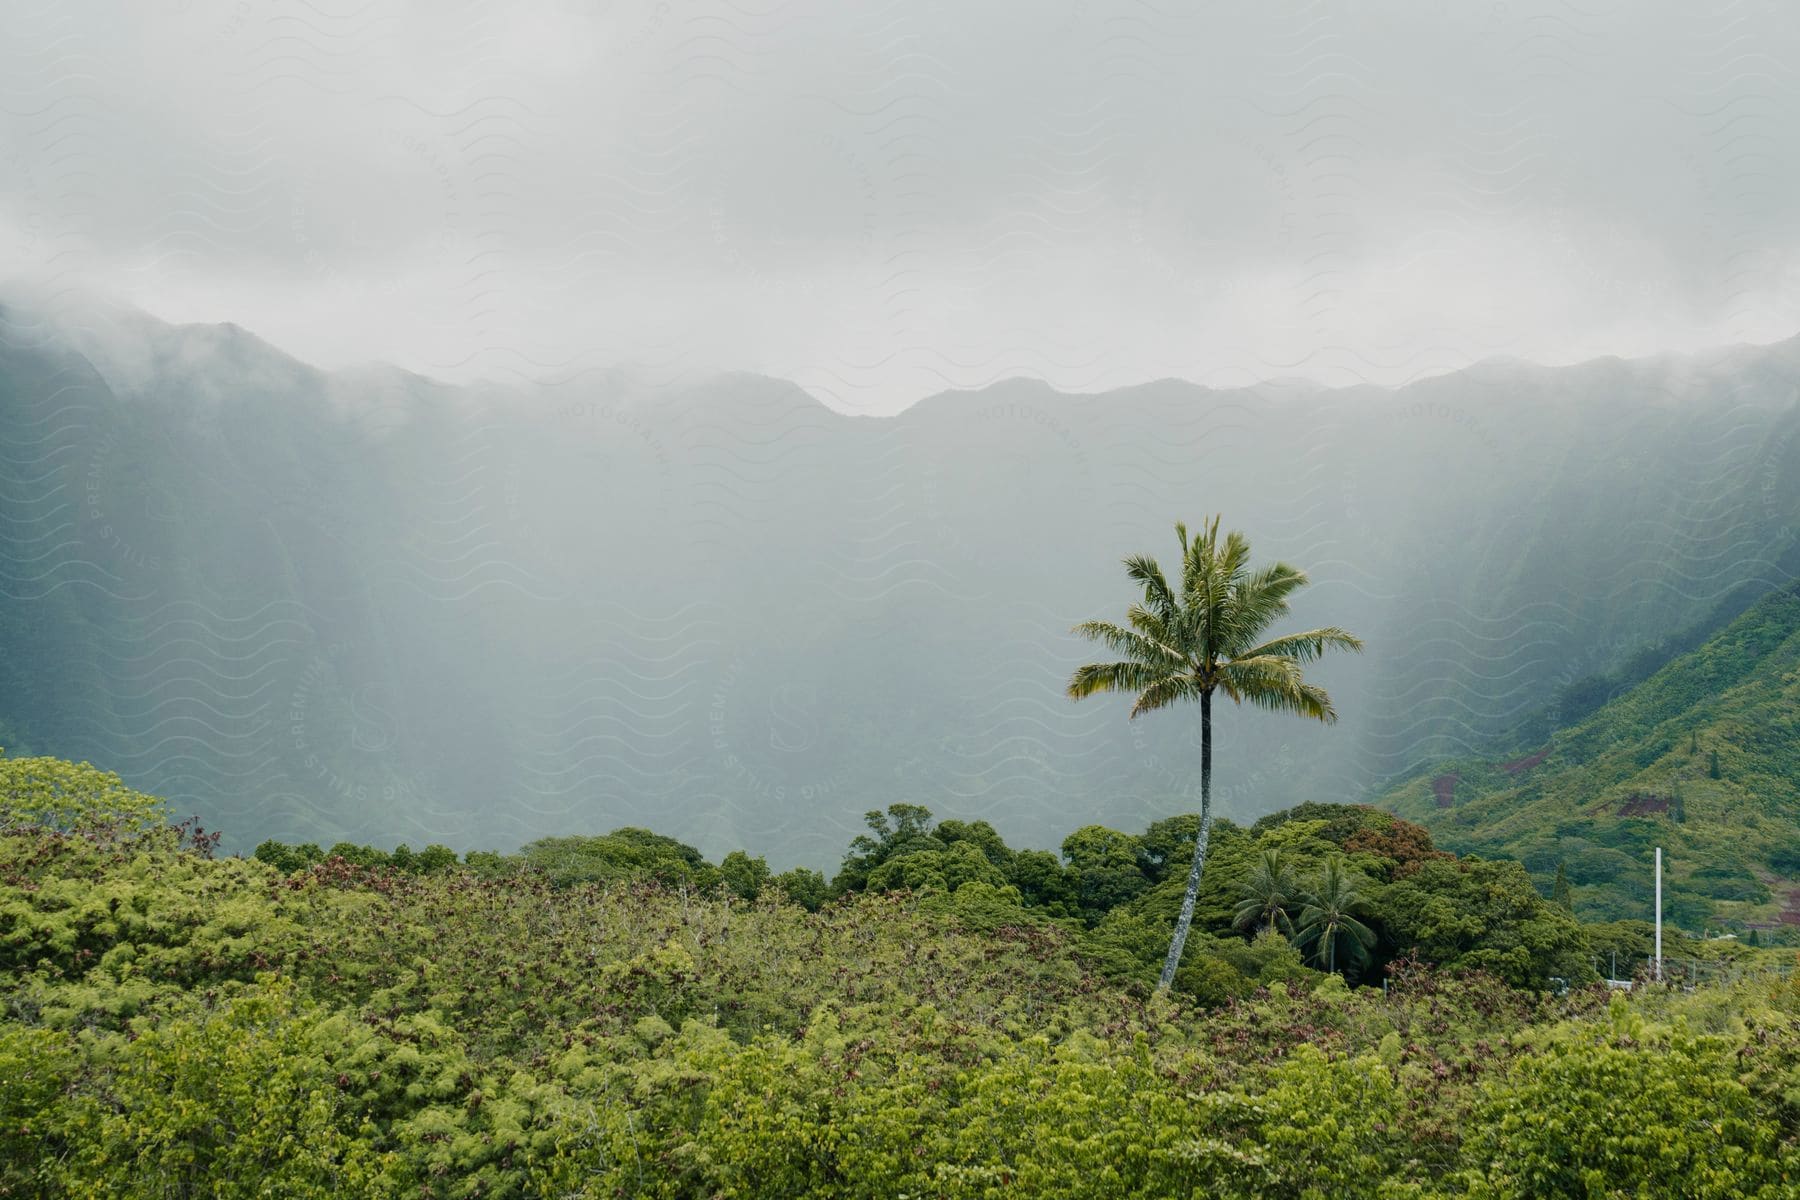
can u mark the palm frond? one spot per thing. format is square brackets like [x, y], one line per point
[1148, 574]
[1306, 647]
[1308, 700]
[1157, 630]
[1165, 691]
[1261, 600]
[1111, 677]
[1132, 644]
[1249, 911]
[1356, 929]
[1276, 684]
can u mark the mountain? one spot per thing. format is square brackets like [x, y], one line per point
[364, 604]
[1702, 758]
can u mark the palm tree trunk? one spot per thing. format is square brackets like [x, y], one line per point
[1179, 943]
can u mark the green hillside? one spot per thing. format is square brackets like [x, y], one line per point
[1700, 758]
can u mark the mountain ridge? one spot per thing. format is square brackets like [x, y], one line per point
[370, 608]
[34, 305]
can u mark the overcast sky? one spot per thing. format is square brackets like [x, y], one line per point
[883, 200]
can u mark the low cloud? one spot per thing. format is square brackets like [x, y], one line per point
[883, 201]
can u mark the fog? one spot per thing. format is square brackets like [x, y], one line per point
[883, 201]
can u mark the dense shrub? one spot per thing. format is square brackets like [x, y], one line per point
[553, 1024]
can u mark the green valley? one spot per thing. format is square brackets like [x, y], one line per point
[1701, 758]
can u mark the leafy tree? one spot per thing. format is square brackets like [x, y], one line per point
[288, 859]
[1211, 980]
[362, 856]
[1168, 844]
[1334, 823]
[1396, 847]
[902, 829]
[804, 887]
[1205, 638]
[1559, 891]
[1042, 882]
[73, 797]
[944, 870]
[979, 834]
[1103, 866]
[623, 854]
[489, 864]
[433, 858]
[1329, 923]
[1712, 765]
[1488, 916]
[743, 874]
[1268, 959]
[1268, 894]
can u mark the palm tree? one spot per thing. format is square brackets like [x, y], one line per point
[1329, 920]
[1187, 644]
[1269, 892]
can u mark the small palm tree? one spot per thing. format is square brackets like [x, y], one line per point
[1268, 894]
[1329, 925]
[1187, 643]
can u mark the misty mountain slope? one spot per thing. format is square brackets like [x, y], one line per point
[368, 605]
[1701, 758]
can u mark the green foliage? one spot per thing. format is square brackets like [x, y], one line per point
[38, 1067]
[240, 1100]
[288, 859]
[1330, 925]
[806, 888]
[176, 1025]
[1104, 869]
[1621, 1109]
[744, 875]
[1212, 980]
[1270, 892]
[1167, 846]
[1043, 883]
[1267, 960]
[1119, 886]
[1486, 916]
[73, 797]
[623, 854]
[1559, 890]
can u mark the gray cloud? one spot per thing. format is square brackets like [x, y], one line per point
[881, 201]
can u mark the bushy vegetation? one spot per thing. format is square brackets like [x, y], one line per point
[1699, 757]
[615, 1016]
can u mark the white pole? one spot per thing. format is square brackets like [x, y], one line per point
[1659, 914]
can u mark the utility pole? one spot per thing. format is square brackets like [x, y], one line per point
[1659, 914]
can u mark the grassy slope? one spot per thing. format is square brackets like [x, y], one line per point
[1732, 844]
